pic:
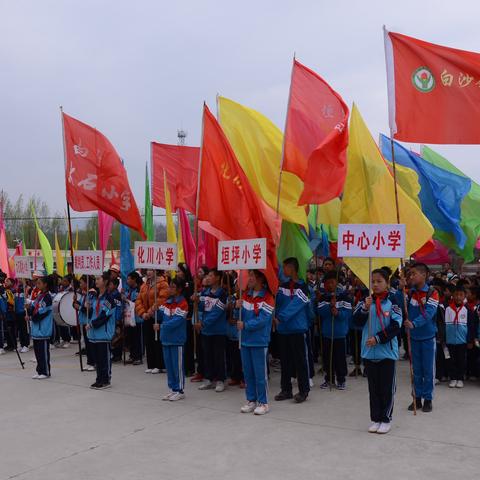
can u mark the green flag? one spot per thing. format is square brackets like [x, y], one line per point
[294, 243]
[148, 222]
[44, 245]
[470, 219]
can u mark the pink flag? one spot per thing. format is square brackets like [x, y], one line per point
[188, 243]
[105, 224]
[4, 261]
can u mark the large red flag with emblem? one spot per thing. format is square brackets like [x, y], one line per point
[433, 91]
[316, 136]
[228, 207]
[180, 164]
[95, 177]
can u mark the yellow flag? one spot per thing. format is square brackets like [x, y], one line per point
[181, 253]
[59, 257]
[329, 213]
[408, 179]
[257, 143]
[368, 197]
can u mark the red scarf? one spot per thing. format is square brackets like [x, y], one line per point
[378, 308]
[457, 310]
[38, 300]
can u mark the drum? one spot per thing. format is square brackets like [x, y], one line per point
[63, 311]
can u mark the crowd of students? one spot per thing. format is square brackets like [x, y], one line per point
[207, 329]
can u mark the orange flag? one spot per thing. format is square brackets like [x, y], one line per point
[228, 207]
[316, 136]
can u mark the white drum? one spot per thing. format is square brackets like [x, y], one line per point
[63, 311]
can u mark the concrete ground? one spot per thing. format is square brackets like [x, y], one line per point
[61, 429]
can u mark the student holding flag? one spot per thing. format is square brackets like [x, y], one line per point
[255, 324]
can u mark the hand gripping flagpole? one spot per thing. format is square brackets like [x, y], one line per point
[79, 330]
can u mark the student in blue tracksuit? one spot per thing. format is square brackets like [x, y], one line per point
[213, 324]
[114, 292]
[292, 316]
[460, 327]
[173, 335]
[335, 312]
[234, 360]
[422, 314]
[83, 304]
[3, 312]
[41, 316]
[100, 331]
[21, 324]
[255, 325]
[134, 283]
[381, 320]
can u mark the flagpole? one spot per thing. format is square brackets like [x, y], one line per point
[71, 247]
[195, 274]
[279, 191]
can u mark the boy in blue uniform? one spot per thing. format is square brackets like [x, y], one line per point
[100, 331]
[335, 312]
[459, 332]
[132, 290]
[292, 312]
[255, 325]
[21, 324]
[422, 314]
[173, 335]
[213, 324]
[381, 320]
[41, 316]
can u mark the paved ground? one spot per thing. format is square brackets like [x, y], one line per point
[61, 429]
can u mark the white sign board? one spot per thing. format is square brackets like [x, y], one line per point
[242, 254]
[22, 267]
[371, 240]
[156, 255]
[88, 262]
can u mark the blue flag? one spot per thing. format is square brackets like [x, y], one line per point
[441, 193]
[126, 258]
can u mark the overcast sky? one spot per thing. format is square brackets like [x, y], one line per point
[139, 70]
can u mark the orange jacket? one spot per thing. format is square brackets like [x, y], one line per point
[145, 302]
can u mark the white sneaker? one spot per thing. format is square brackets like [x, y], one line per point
[220, 387]
[90, 368]
[167, 397]
[208, 385]
[310, 381]
[65, 345]
[437, 381]
[41, 377]
[249, 407]
[384, 428]
[35, 376]
[459, 384]
[24, 350]
[155, 371]
[452, 384]
[262, 409]
[2, 351]
[148, 370]
[374, 427]
[177, 396]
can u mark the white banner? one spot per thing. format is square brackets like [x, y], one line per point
[88, 262]
[242, 254]
[156, 255]
[22, 267]
[371, 240]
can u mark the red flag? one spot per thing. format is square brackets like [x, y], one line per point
[95, 177]
[181, 166]
[227, 201]
[433, 91]
[316, 136]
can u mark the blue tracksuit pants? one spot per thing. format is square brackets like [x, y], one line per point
[254, 361]
[173, 358]
[423, 361]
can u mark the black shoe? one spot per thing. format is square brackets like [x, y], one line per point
[137, 362]
[95, 385]
[419, 405]
[427, 406]
[300, 397]
[283, 396]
